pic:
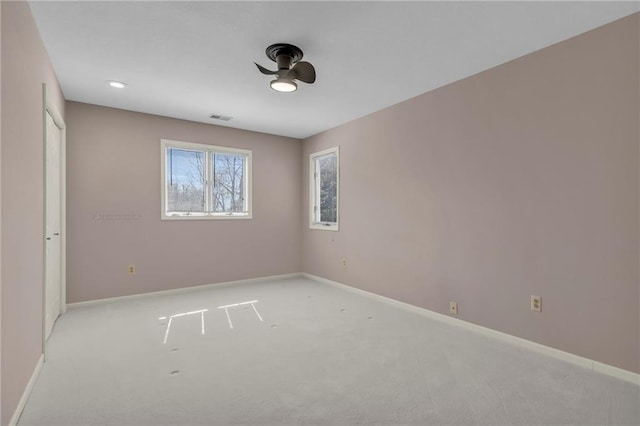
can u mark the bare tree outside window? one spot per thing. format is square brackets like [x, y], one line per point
[205, 181]
[324, 189]
[328, 170]
[185, 181]
[228, 187]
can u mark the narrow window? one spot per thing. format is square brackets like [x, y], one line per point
[205, 182]
[324, 189]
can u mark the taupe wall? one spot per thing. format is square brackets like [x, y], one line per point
[25, 66]
[113, 168]
[0, 212]
[519, 181]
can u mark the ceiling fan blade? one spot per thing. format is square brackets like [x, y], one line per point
[302, 71]
[263, 70]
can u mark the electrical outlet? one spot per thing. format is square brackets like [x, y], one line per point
[536, 303]
[453, 308]
[132, 269]
[344, 262]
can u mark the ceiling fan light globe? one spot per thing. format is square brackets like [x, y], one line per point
[284, 85]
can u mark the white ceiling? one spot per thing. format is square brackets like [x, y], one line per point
[192, 59]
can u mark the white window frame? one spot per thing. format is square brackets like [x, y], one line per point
[166, 143]
[314, 199]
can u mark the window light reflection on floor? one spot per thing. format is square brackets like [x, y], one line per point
[201, 312]
[250, 302]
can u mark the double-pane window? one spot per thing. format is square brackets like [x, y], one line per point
[205, 182]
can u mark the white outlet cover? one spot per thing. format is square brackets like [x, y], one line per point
[536, 303]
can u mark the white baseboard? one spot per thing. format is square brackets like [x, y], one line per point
[619, 373]
[590, 364]
[27, 391]
[180, 290]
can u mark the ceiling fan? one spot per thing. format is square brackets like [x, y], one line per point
[290, 67]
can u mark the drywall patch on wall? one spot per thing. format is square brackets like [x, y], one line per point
[116, 216]
[518, 181]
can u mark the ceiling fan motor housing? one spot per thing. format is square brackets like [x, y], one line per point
[290, 67]
[284, 54]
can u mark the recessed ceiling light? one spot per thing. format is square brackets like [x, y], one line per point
[117, 84]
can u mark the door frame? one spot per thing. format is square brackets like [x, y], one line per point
[49, 108]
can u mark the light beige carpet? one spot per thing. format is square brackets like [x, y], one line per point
[302, 353]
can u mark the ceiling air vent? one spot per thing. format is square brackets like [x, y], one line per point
[220, 117]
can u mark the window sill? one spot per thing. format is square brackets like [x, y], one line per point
[324, 227]
[207, 217]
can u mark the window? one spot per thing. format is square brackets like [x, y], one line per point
[324, 189]
[205, 181]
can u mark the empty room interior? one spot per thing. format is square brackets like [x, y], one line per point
[320, 213]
